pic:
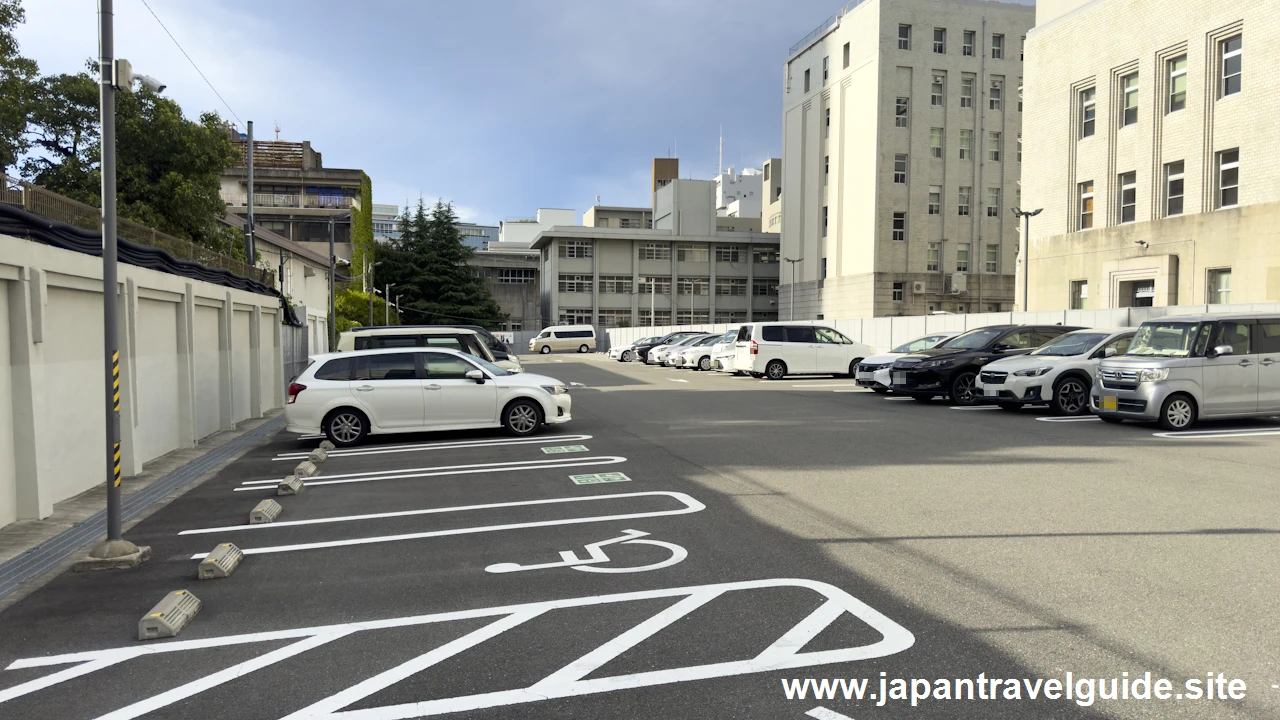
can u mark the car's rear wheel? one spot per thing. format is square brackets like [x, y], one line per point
[628, 356]
[346, 427]
[546, 350]
[853, 367]
[522, 417]
[704, 363]
[1070, 397]
[962, 389]
[775, 370]
[1178, 412]
[583, 349]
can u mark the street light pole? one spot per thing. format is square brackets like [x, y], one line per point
[333, 279]
[792, 300]
[1026, 216]
[248, 217]
[386, 304]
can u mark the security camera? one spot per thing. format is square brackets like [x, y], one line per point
[343, 262]
[150, 83]
[1143, 243]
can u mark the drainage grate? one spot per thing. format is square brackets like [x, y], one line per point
[42, 558]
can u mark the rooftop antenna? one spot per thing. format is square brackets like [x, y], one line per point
[277, 130]
[720, 158]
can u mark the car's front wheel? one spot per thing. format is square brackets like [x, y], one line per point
[704, 363]
[346, 427]
[628, 356]
[1070, 397]
[1178, 412]
[853, 368]
[522, 417]
[962, 389]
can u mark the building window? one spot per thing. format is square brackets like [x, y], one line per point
[904, 37]
[826, 123]
[993, 258]
[731, 286]
[1219, 286]
[824, 270]
[1019, 94]
[931, 261]
[940, 40]
[966, 195]
[654, 286]
[1019, 147]
[1129, 112]
[966, 144]
[899, 233]
[806, 81]
[993, 202]
[615, 318]
[997, 47]
[1022, 50]
[1232, 57]
[935, 199]
[969, 37]
[1079, 293]
[997, 93]
[763, 288]
[1085, 193]
[826, 69]
[993, 146]
[899, 292]
[900, 169]
[517, 276]
[729, 253]
[1178, 83]
[824, 221]
[1128, 199]
[575, 317]
[900, 112]
[693, 253]
[962, 257]
[1173, 188]
[575, 283]
[692, 317]
[731, 317]
[575, 248]
[693, 286]
[647, 319]
[654, 251]
[826, 169]
[1087, 109]
[615, 284]
[1229, 178]
[935, 142]
[967, 83]
[936, 91]
[846, 55]
[764, 256]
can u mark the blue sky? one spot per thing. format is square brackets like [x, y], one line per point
[500, 106]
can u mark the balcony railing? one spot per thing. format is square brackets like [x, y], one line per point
[270, 200]
[826, 25]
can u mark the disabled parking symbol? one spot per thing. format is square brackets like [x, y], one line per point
[597, 556]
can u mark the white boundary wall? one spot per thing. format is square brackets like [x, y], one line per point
[195, 358]
[883, 333]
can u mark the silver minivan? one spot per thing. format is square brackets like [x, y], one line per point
[1184, 368]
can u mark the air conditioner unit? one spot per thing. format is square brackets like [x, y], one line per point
[918, 287]
[959, 283]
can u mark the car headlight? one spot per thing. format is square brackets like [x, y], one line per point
[932, 363]
[1032, 372]
[1153, 374]
[555, 389]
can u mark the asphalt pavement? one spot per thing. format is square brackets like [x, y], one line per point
[724, 537]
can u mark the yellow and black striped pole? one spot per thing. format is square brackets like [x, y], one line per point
[115, 388]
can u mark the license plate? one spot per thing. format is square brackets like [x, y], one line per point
[1109, 402]
[990, 391]
[899, 378]
[864, 376]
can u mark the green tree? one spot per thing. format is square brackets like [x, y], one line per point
[352, 308]
[17, 87]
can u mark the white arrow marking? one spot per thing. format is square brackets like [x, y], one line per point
[821, 713]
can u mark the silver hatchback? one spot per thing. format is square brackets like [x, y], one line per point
[1181, 369]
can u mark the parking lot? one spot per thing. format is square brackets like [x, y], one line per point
[687, 545]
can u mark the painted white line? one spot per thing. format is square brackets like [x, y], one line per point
[1082, 418]
[690, 505]
[898, 398]
[677, 380]
[317, 436]
[421, 447]
[859, 390]
[1211, 435]
[821, 713]
[825, 385]
[595, 556]
[975, 407]
[443, 470]
[567, 681]
[576, 384]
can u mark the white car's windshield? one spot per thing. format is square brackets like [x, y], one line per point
[1070, 344]
[1164, 339]
[973, 340]
[919, 344]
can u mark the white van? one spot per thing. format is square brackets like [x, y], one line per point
[407, 336]
[776, 350]
[579, 338]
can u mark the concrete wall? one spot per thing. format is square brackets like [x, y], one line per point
[195, 358]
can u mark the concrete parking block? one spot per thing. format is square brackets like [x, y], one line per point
[266, 511]
[327, 445]
[220, 563]
[318, 455]
[169, 616]
[306, 469]
[291, 485]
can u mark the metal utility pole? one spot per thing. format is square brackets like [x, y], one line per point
[792, 300]
[1024, 251]
[248, 218]
[653, 289]
[386, 304]
[333, 279]
[399, 320]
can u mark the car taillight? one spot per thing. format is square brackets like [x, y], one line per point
[294, 390]
[755, 349]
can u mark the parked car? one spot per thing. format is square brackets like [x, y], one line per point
[722, 352]
[1058, 373]
[580, 338]
[500, 350]
[406, 336]
[1182, 369]
[349, 396]
[662, 356]
[627, 353]
[663, 342]
[697, 355]
[776, 350]
[874, 372]
[951, 370]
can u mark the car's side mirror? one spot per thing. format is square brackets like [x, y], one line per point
[1002, 348]
[1223, 350]
[1109, 352]
[476, 375]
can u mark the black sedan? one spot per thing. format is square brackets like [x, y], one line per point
[950, 371]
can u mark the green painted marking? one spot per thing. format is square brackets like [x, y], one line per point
[564, 449]
[599, 478]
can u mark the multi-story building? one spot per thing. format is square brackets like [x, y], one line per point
[522, 231]
[386, 222]
[1152, 142]
[684, 270]
[512, 277]
[771, 210]
[618, 217]
[295, 195]
[901, 123]
[479, 237]
[739, 194]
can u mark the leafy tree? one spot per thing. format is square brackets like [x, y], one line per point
[352, 308]
[17, 87]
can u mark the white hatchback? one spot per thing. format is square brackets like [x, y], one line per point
[776, 350]
[351, 395]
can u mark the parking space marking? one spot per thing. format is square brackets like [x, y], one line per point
[1215, 434]
[825, 385]
[568, 681]
[821, 713]
[595, 556]
[422, 447]
[975, 407]
[677, 380]
[690, 505]
[1082, 418]
[898, 398]
[438, 471]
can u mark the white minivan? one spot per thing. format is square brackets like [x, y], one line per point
[776, 350]
[579, 338]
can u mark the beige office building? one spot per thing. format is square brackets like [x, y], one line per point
[1151, 144]
[901, 122]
